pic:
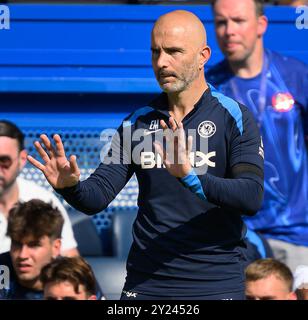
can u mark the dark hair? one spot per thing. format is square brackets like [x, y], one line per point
[264, 268]
[258, 3]
[34, 218]
[75, 270]
[9, 129]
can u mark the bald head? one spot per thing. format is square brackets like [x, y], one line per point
[183, 24]
[179, 51]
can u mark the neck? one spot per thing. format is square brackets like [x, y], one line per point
[250, 67]
[9, 198]
[34, 284]
[180, 104]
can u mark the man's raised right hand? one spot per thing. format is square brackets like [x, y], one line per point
[58, 170]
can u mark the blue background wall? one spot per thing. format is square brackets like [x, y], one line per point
[92, 59]
[105, 48]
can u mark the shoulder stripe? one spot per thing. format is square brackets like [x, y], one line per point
[231, 105]
[138, 113]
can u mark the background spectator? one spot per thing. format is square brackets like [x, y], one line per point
[69, 278]
[35, 229]
[269, 279]
[301, 282]
[13, 157]
[275, 89]
[294, 3]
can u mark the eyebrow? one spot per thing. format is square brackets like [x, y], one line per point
[234, 16]
[175, 49]
[169, 48]
[267, 298]
[248, 297]
[34, 242]
[62, 298]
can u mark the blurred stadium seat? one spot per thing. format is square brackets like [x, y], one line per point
[110, 273]
[122, 223]
[86, 235]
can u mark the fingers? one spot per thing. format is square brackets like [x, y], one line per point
[180, 125]
[174, 133]
[53, 152]
[59, 146]
[181, 135]
[41, 151]
[74, 165]
[160, 150]
[167, 131]
[173, 124]
[36, 163]
[189, 144]
[163, 124]
[48, 145]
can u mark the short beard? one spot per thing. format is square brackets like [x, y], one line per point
[7, 186]
[238, 61]
[184, 81]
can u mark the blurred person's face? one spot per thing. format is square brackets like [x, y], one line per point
[175, 57]
[11, 162]
[238, 28]
[65, 290]
[30, 255]
[293, 3]
[302, 294]
[270, 288]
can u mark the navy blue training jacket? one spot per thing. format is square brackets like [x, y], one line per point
[188, 234]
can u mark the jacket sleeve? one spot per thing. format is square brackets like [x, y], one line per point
[243, 190]
[95, 193]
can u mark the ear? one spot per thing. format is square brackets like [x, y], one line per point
[292, 296]
[262, 25]
[56, 248]
[22, 158]
[205, 56]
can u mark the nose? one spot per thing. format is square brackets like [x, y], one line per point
[161, 60]
[24, 252]
[230, 28]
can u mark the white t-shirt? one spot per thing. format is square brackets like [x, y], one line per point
[28, 190]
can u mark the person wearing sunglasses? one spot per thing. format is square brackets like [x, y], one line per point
[13, 158]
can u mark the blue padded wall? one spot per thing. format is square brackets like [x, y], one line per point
[105, 48]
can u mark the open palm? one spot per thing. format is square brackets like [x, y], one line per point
[58, 170]
[176, 155]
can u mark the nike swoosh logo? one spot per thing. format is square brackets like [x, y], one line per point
[147, 132]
